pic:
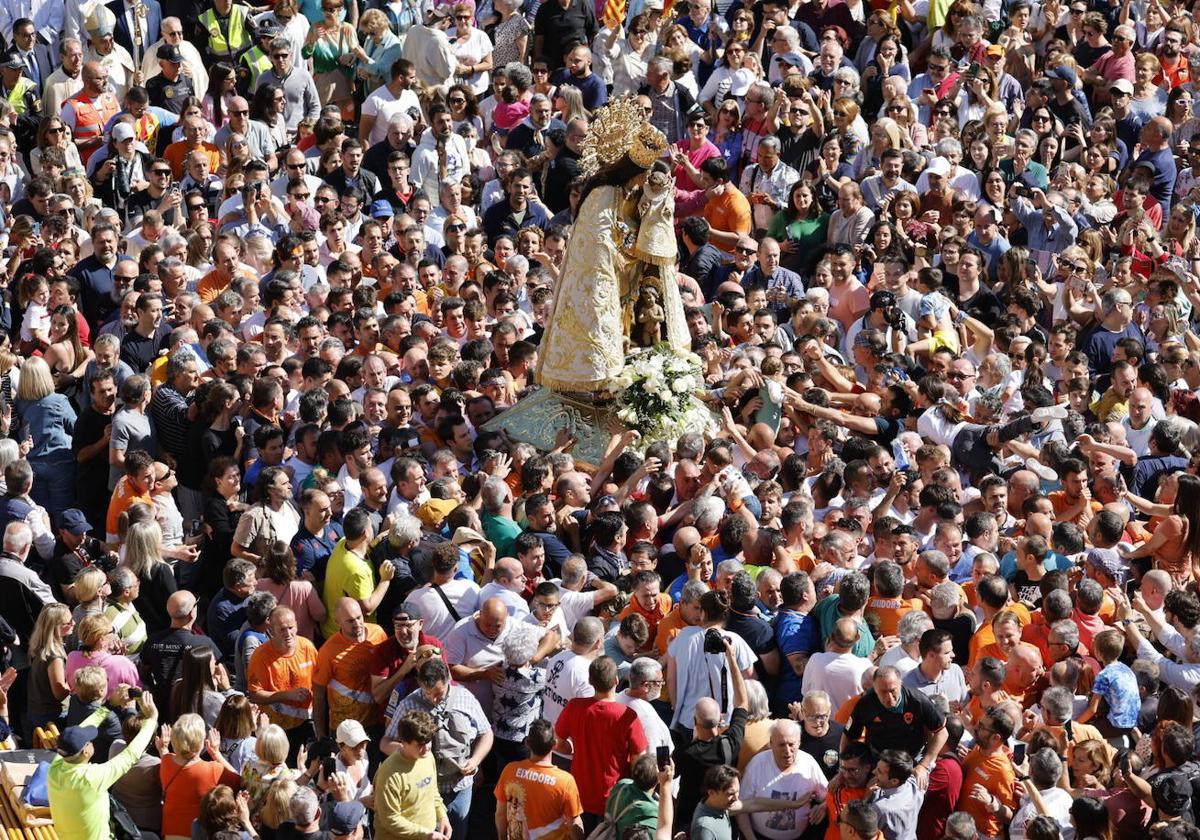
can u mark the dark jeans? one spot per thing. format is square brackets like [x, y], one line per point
[506, 752]
[590, 821]
[970, 449]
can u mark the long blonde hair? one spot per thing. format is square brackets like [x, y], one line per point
[143, 547]
[45, 641]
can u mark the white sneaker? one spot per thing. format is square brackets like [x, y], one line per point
[1040, 470]
[1048, 413]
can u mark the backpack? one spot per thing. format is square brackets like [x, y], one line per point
[607, 828]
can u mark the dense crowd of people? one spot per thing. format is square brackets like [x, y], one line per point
[272, 568]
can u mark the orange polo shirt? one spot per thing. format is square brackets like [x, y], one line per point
[1059, 499]
[729, 211]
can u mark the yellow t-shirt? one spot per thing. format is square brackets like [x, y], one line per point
[346, 575]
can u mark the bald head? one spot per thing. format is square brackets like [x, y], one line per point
[708, 713]
[180, 607]
[510, 574]
[1038, 524]
[238, 104]
[492, 619]
[844, 635]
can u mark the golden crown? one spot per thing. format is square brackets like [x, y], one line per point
[618, 129]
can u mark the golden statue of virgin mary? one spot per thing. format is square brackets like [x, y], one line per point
[617, 288]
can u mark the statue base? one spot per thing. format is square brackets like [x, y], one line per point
[537, 419]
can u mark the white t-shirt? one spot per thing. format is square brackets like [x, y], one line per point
[764, 779]
[383, 105]
[566, 679]
[837, 674]
[1058, 805]
[426, 603]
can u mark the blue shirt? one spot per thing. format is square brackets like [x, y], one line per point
[50, 421]
[1165, 172]
[1118, 686]
[312, 550]
[782, 278]
[499, 219]
[794, 633]
[592, 87]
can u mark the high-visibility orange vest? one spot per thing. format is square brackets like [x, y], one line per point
[91, 116]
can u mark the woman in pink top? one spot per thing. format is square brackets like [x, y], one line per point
[95, 635]
[694, 149]
[277, 575]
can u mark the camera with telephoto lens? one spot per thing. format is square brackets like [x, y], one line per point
[714, 641]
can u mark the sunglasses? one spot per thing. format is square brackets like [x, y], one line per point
[58, 130]
[895, 109]
[457, 100]
[194, 207]
[744, 251]
[456, 227]
[281, 55]
[1079, 267]
[160, 171]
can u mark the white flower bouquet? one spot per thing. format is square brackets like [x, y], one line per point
[653, 394]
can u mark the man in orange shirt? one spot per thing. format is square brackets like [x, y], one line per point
[342, 680]
[854, 767]
[727, 210]
[648, 601]
[989, 780]
[886, 604]
[1074, 503]
[1174, 63]
[225, 259]
[986, 679]
[543, 799]
[279, 679]
[994, 597]
[195, 129]
[134, 487]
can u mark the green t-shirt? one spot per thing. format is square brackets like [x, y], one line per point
[826, 615]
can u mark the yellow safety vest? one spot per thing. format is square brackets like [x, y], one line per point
[227, 36]
[16, 96]
[257, 62]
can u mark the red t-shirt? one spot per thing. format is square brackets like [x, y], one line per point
[604, 734]
[941, 798]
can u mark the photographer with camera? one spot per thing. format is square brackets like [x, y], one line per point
[886, 315]
[706, 674]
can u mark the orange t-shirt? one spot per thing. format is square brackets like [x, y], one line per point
[177, 153]
[842, 715]
[835, 803]
[541, 797]
[184, 787]
[270, 671]
[653, 618]
[1059, 499]
[344, 668]
[995, 772]
[984, 636]
[729, 212]
[123, 498]
[889, 611]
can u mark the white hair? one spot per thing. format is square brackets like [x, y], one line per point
[17, 538]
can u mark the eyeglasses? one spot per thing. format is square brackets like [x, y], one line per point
[955, 374]
[458, 100]
[741, 250]
[58, 130]
[939, 68]
[895, 109]
[1070, 266]
[456, 227]
[281, 55]
[544, 605]
[463, 17]
[1041, 117]
[1078, 11]
[295, 166]
[160, 171]
[194, 207]
[301, 196]
[541, 70]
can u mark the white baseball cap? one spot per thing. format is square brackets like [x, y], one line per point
[350, 733]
